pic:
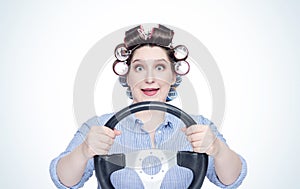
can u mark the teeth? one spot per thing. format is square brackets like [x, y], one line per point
[149, 89]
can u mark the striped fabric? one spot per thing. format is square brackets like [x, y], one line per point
[168, 136]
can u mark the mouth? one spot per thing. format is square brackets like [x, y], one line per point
[150, 91]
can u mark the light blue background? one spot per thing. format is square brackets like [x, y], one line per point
[255, 44]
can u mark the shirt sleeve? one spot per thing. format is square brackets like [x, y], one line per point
[78, 138]
[211, 173]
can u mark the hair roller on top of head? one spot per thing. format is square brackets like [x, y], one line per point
[162, 36]
[133, 37]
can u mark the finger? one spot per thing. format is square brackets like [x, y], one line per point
[195, 137]
[198, 150]
[194, 129]
[99, 130]
[108, 131]
[101, 152]
[101, 146]
[196, 144]
[117, 132]
[105, 146]
[106, 139]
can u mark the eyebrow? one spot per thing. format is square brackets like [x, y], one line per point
[162, 59]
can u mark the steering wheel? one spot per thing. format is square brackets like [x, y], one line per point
[105, 165]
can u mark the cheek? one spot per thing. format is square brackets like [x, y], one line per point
[129, 78]
[168, 78]
[173, 78]
[132, 81]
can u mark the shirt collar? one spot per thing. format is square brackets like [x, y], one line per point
[169, 120]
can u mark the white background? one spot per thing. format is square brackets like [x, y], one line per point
[255, 44]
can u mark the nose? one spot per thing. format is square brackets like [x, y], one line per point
[149, 77]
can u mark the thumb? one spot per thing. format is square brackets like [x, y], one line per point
[117, 132]
[183, 129]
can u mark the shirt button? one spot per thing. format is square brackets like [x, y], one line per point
[159, 131]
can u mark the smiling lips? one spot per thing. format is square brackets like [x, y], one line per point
[150, 91]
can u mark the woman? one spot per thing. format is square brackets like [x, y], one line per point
[151, 68]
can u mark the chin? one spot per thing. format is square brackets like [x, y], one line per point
[149, 99]
[155, 99]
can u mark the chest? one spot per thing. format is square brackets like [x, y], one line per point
[135, 138]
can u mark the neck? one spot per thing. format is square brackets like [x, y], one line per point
[151, 119]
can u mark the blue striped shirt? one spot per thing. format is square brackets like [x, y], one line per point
[168, 136]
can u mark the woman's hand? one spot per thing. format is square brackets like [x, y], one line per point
[99, 140]
[202, 139]
[227, 163]
[71, 167]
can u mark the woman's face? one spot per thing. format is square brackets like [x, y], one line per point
[150, 75]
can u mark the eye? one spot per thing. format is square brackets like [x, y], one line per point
[160, 67]
[138, 68]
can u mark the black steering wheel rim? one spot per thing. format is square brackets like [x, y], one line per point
[105, 165]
